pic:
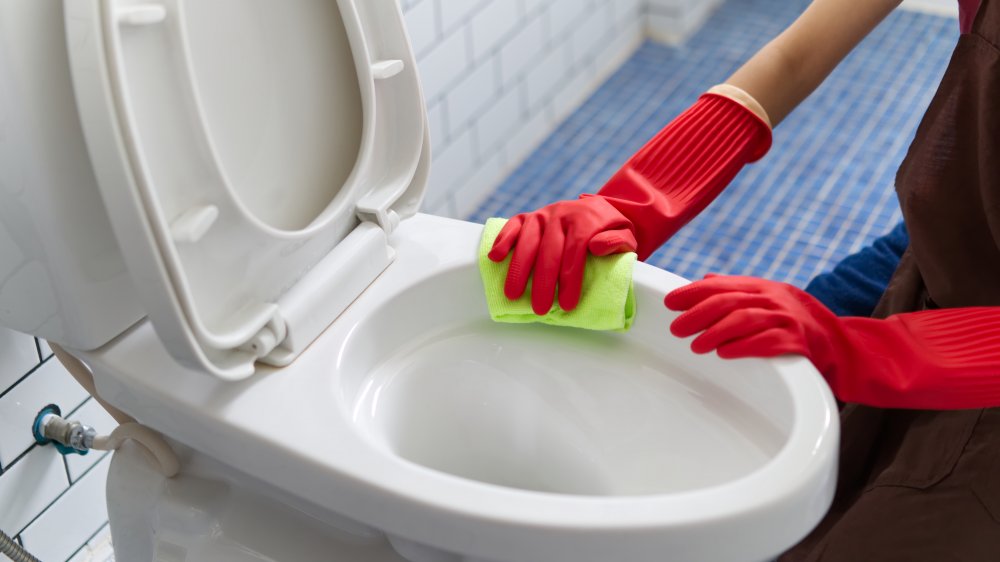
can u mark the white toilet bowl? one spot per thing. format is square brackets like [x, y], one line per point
[213, 203]
[416, 416]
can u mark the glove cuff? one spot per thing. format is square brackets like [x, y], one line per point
[685, 166]
[741, 96]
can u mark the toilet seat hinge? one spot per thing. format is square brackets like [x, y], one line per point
[318, 298]
[387, 219]
[267, 338]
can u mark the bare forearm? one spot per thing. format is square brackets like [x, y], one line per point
[795, 63]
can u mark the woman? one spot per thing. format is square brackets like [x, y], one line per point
[920, 447]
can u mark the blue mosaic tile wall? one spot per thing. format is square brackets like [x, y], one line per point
[824, 190]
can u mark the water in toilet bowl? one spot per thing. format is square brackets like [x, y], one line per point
[557, 410]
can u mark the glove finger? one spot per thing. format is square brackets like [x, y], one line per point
[524, 257]
[768, 343]
[506, 239]
[546, 270]
[613, 242]
[691, 294]
[708, 312]
[740, 324]
[574, 263]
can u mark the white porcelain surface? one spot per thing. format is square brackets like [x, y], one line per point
[561, 411]
[210, 514]
[416, 415]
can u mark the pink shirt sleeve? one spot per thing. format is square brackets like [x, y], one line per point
[967, 13]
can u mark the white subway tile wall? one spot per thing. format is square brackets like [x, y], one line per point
[498, 76]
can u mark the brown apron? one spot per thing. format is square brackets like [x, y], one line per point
[921, 485]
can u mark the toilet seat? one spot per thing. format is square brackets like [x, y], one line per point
[187, 106]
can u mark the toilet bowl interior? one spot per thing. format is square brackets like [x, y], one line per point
[552, 409]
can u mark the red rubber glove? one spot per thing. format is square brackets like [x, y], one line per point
[662, 187]
[934, 360]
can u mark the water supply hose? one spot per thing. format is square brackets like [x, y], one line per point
[14, 551]
[152, 445]
[72, 437]
[83, 376]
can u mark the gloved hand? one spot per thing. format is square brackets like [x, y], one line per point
[554, 240]
[938, 359]
[662, 187]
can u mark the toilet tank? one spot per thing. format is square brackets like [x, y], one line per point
[62, 276]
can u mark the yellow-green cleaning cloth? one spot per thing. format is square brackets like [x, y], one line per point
[607, 301]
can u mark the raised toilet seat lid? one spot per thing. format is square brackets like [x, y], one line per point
[252, 156]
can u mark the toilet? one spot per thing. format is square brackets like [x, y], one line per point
[214, 205]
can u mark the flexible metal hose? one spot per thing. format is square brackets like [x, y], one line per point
[14, 551]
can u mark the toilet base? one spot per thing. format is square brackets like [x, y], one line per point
[209, 514]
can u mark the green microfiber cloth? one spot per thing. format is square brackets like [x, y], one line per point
[607, 301]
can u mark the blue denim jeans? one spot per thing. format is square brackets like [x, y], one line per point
[856, 284]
